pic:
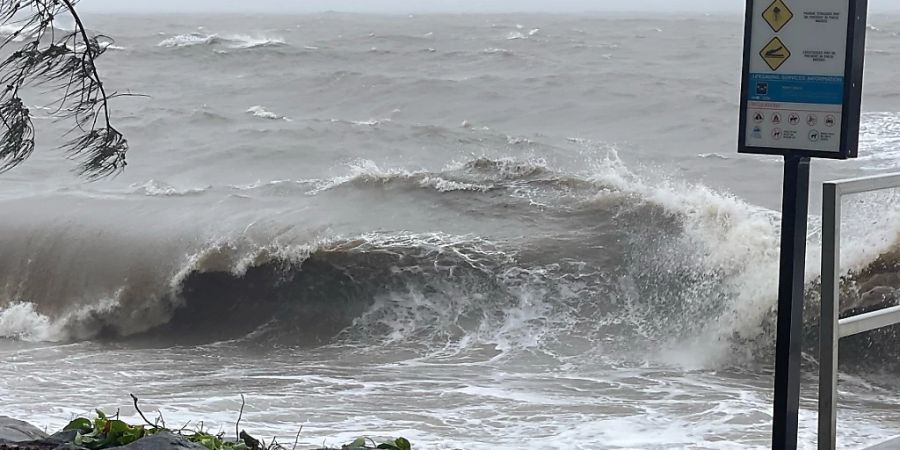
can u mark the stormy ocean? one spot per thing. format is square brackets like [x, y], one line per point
[475, 231]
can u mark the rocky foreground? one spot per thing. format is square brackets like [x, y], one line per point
[19, 435]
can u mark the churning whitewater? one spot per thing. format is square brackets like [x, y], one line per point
[536, 226]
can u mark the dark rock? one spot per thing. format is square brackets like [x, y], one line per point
[12, 430]
[63, 436]
[43, 444]
[162, 441]
[29, 445]
[70, 446]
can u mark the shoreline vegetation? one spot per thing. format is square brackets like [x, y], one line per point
[105, 432]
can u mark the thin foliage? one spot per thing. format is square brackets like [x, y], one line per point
[63, 64]
[104, 432]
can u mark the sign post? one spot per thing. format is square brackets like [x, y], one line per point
[800, 98]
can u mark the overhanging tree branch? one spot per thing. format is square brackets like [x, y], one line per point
[66, 66]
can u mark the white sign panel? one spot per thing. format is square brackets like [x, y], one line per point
[796, 75]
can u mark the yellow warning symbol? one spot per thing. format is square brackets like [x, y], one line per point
[775, 53]
[777, 15]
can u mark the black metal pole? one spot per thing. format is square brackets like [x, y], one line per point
[795, 207]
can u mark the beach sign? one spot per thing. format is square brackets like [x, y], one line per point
[802, 77]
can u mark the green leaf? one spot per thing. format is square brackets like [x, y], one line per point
[403, 444]
[100, 423]
[398, 444]
[117, 427]
[88, 441]
[207, 440]
[98, 445]
[358, 443]
[120, 433]
[131, 435]
[80, 424]
[101, 443]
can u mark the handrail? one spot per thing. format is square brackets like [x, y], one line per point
[869, 321]
[833, 328]
[861, 185]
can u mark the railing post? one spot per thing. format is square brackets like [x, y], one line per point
[829, 337]
[832, 328]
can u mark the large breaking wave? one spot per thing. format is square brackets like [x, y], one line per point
[636, 268]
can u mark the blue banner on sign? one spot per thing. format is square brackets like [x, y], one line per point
[821, 90]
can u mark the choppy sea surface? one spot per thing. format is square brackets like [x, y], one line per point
[474, 231]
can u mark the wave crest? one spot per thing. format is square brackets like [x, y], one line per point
[154, 188]
[230, 41]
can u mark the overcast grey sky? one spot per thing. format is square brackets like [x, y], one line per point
[404, 6]
[408, 6]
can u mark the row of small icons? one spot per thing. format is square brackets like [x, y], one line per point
[778, 133]
[794, 119]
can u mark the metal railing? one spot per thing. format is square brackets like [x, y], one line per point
[833, 328]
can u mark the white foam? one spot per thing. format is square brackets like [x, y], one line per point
[368, 123]
[512, 140]
[362, 170]
[262, 113]
[276, 185]
[520, 397]
[362, 123]
[188, 40]
[728, 237]
[154, 188]
[738, 243]
[712, 156]
[442, 185]
[495, 50]
[22, 321]
[870, 229]
[236, 41]
[367, 171]
[880, 141]
[248, 41]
